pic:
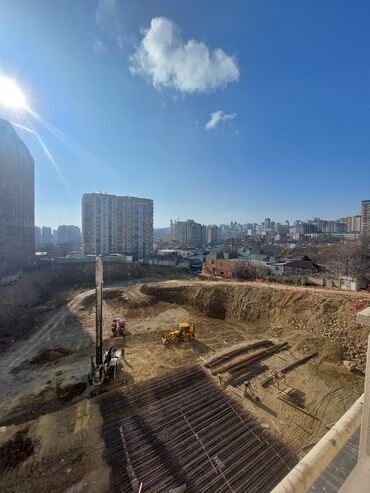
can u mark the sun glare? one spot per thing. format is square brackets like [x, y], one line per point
[10, 94]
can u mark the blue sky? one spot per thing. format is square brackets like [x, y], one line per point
[130, 95]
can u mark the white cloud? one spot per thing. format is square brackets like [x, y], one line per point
[107, 17]
[167, 61]
[99, 47]
[217, 117]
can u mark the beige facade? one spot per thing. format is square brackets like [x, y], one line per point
[353, 223]
[17, 216]
[117, 224]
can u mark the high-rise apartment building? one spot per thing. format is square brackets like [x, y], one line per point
[117, 224]
[17, 209]
[69, 236]
[353, 223]
[189, 233]
[54, 236]
[365, 218]
[212, 233]
[37, 237]
[46, 236]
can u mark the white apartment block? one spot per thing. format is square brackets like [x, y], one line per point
[116, 224]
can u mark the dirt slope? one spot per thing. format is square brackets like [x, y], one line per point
[311, 317]
[44, 377]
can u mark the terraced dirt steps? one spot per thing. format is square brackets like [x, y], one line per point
[182, 430]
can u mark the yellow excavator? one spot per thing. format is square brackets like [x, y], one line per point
[185, 332]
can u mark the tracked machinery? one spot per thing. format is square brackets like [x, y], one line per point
[118, 327]
[185, 332]
[105, 364]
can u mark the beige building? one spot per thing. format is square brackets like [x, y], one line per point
[353, 223]
[365, 218]
[17, 209]
[117, 224]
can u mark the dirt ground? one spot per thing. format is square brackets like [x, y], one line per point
[44, 391]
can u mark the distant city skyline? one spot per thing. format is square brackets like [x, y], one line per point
[269, 125]
[77, 222]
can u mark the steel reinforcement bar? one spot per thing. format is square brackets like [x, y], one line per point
[182, 430]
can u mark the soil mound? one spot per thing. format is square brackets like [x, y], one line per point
[15, 451]
[69, 392]
[49, 355]
[42, 358]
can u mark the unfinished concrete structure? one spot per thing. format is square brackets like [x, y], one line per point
[17, 220]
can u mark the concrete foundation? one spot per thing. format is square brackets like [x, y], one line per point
[363, 317]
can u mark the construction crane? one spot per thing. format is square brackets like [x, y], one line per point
[105, 364]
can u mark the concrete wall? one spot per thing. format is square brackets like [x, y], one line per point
[344, 283]
[224, 268]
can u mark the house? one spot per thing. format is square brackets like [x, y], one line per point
[257, 259]
[222, 264]
[303, 267]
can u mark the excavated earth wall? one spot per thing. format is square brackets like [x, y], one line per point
[314, 319]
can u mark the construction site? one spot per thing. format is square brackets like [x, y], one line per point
[198, 386]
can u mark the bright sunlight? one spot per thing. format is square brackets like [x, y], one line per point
[10, 94]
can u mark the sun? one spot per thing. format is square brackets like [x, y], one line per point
[10, 94]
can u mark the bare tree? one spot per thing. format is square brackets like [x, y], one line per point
[349, 258]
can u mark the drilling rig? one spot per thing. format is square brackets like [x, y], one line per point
[105, 364]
